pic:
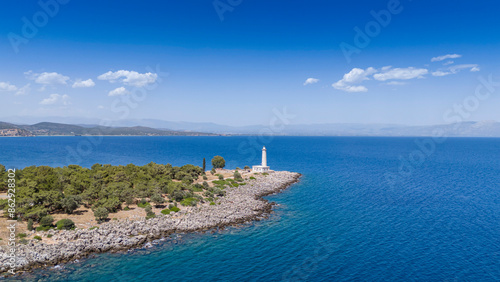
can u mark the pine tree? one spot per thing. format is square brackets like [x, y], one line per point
[204, 165]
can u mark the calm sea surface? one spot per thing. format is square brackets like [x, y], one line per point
[366, 209]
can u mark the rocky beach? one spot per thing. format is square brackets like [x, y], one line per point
[241, 204]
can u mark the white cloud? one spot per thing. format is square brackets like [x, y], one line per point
[396, 83]
[55, 99]
[471, 67]
[118, 91]
[444, 57]
[441, 73]
[129, 77]
[400, 73]
[85, 83]
[448, 63]
[311, 81]
[355, 76]
[456, 68]
[48, 78]
[6, 86]
[24, 90]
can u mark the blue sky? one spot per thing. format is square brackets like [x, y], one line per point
[233, 62]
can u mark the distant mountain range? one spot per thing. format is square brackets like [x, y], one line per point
[165, 128]
[51, 129]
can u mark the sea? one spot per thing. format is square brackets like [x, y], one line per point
[365, 209]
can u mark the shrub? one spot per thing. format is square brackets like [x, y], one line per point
[30, 224]
[165, 211]
[149, 212]
[212, 171]
[265, 173]
[237, 168]
[126, 209]
[197, 187]
[205, 177]
[23, 241]
[189, 201]
[66, 224]
[21, 235]
[43, 228]
[179, 195]
[212, 203]
[237, 176]
[221, 177]
[175, 209]
[49, 235]
[246, 167]
[37, 238]
[253, 178]
[47, 220]
[145, 205]
[171, 206]
[94, 227]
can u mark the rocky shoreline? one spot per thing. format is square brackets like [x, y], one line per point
[241, 204]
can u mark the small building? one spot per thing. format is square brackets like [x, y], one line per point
[263, 167]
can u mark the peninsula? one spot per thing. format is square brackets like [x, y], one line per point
[164, 200]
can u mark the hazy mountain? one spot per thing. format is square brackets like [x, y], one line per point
[50, 128]
[161, 127]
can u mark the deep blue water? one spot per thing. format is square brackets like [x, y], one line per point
[347, 219]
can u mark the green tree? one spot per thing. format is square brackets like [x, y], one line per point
[71, 203]
[101, 214]
[204, 165]
[218, 162]
[157, 199]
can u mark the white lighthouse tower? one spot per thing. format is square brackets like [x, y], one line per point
[263, 166]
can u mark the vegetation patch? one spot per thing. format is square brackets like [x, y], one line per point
[189, 201]
[65, 224]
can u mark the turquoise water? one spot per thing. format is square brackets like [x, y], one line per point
[439, 221]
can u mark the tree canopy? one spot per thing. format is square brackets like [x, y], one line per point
[43, 190]
[218, 162]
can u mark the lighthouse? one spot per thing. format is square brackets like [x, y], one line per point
[263, 165]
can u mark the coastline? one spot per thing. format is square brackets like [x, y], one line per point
[241, 204]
